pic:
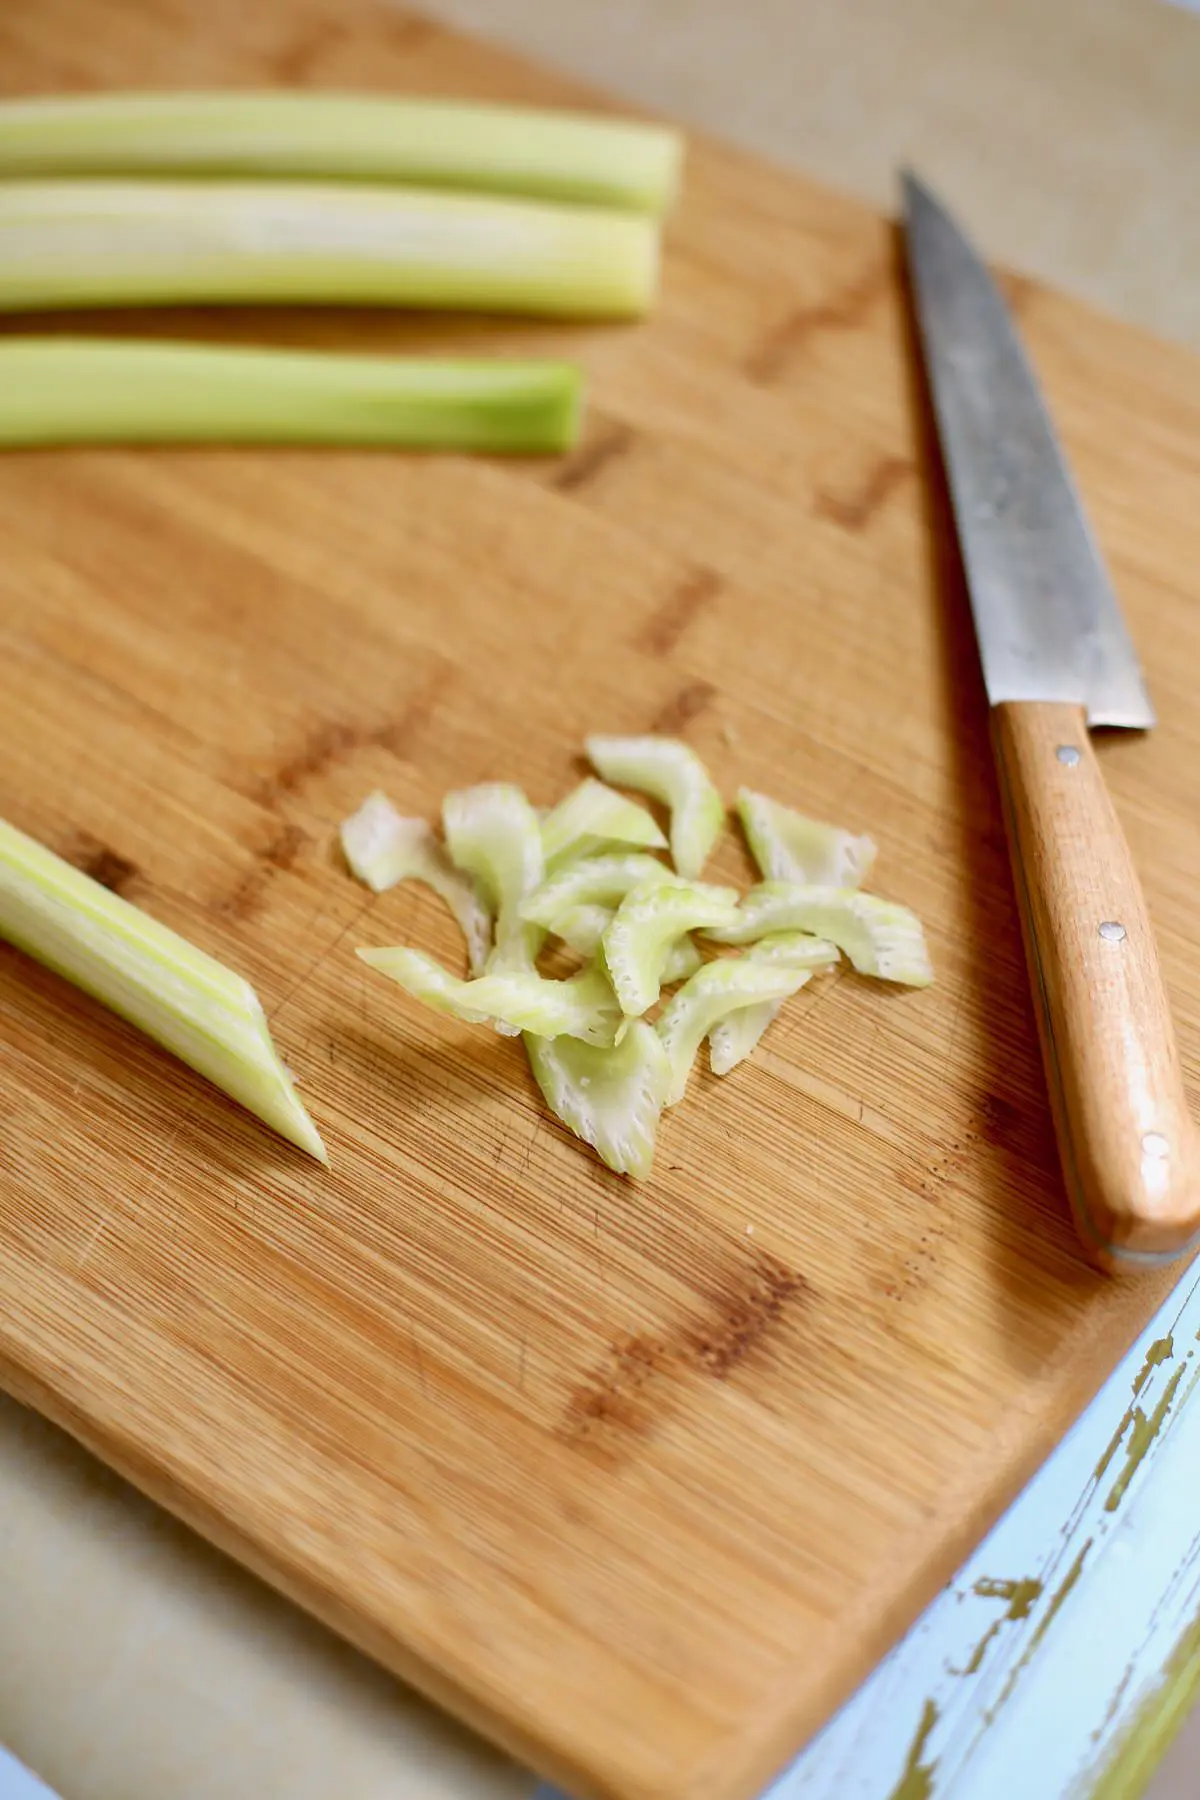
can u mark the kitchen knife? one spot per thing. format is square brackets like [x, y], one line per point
[1057, 659]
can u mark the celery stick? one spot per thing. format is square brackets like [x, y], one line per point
[74, 391]
[187, 1001]
[432, 143]
[112, 243]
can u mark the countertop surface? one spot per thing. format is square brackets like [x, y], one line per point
[135, 1663]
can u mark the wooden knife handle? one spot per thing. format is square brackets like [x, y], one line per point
[1129, 1148]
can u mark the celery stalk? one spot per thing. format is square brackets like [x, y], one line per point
[433, 143]
[64, 390]
[187, 1001]
[111, 243]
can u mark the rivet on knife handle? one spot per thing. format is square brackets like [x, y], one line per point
[1130, 1151]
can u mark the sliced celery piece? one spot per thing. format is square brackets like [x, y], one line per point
[188, 1002]
[715, 991]
[582, 927]
[672, 772]
[583, 1007]
[731, 1042]
[112, 243]
[612, 1099]
[596, 881]
[879, 937]
[435, 143]
[648, 924]
[683, 959]
[594, 818]
[73, 391]
[493, 835]
[789, 847]
[382, 848]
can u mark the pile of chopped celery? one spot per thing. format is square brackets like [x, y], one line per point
[608, 1052]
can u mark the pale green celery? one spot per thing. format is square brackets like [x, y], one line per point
[648, 924]
[594, 818]
[583, 928]
[712, 994]
[683, 959]
[596, 881]
[115, 243]
[879, 937]
[787, 846]
[493, 835]
[731, 1042]
[188, 1002]
[73, 391]
[434, 143]
[382, 848]
[612, 1099]
[584, 1006]
[672, 772]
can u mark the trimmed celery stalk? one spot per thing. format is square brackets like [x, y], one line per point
[75, 391]
[115, 243]
[431, 143]
[187, 1001]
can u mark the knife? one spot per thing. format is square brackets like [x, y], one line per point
[1057, 659]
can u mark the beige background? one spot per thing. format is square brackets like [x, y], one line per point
[134, 1663]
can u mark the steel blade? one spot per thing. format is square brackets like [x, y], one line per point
[1046, 616]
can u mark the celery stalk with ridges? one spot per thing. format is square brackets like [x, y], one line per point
[433, 143]
[64, 390]
[117, 243]
[187, 1001]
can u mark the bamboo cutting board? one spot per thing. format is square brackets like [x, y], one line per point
[639, 1480]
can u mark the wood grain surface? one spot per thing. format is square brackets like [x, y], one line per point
[1130, 1157]
[640, 1480]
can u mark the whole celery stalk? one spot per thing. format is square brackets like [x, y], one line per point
[185, 1000]
[79, 390]
[101, 243]
[427, 143]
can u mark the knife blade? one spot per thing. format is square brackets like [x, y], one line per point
[1057, 658]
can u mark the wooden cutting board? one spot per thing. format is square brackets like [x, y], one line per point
[639, 1480]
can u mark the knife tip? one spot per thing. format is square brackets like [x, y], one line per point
[913, 190]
